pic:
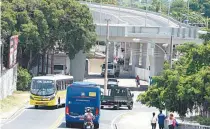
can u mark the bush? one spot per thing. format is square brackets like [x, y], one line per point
[23, 79]
[203, 120]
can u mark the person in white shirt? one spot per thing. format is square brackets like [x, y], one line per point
[153, 121]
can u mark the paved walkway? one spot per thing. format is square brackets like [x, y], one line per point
[136, 120]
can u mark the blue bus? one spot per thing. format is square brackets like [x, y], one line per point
[79, 96]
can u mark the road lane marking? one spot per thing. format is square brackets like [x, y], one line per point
[57, 122]
[14, 115]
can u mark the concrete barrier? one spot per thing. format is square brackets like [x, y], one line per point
[8, 82]
[142, 73]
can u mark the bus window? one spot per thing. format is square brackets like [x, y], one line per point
[58, 85]
[63, 85]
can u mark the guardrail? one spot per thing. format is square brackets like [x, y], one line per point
[114, 19]
[191, 126]
[141, 10]
[124, 30]
[167, 31]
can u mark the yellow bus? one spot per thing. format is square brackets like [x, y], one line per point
[49, 90]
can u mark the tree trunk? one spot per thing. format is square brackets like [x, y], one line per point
[52, 62]
[47, 63]
[38, 61]
[43, 63]
[30, 59]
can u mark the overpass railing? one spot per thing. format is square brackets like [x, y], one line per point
[167, 31]
[123, 30]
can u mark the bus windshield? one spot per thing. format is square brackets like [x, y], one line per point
[43, 87]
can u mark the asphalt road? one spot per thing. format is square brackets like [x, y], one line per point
[132, 17]
[49, 118]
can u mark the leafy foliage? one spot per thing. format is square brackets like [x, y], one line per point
[44, 24]
[23, 79]
[186, 85]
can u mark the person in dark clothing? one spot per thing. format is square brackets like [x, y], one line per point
[161, 119]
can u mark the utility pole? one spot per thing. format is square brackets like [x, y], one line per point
[170, 59]
[100, 10]
[106, 60]
[169, 9]
[188, 11]
[171, 52]
[146, 15]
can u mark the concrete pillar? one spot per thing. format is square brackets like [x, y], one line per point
[158, 59]
[135, 53]
[111, 51]
[77, 66]
[144, 55]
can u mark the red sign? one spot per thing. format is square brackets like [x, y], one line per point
[13, 51]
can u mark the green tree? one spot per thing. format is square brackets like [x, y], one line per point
[42, 24]
[184, 87]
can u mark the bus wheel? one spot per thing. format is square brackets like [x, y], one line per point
[56, 106]
[68, 125]
[36, 106]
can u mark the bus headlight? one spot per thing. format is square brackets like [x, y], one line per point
[52, 97]
[31, 97]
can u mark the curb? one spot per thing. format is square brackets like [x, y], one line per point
[13, 115]
[118, 118]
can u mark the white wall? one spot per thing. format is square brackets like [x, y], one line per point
[8, 82]
[143, 73]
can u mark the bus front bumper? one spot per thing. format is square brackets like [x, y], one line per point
[43, 103]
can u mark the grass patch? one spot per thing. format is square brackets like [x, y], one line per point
[18, 99]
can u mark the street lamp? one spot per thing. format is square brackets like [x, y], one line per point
[146, 15]
[106, 59]
[164, 45]
[100, 10]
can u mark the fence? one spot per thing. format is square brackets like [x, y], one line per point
[8, 82]
[192, 126]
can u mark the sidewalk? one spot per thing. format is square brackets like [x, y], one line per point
[135, 120]
[11, 105]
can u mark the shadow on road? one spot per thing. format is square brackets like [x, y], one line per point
[111, 109]
[63, 126]
[45, 108]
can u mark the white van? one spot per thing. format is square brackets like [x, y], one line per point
[113, 70]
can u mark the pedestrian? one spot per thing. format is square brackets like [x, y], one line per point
[137, 81]
[161, 119]
[172, 122]
[153, 121]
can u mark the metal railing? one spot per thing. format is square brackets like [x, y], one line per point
[192, 126]
[137, 31]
